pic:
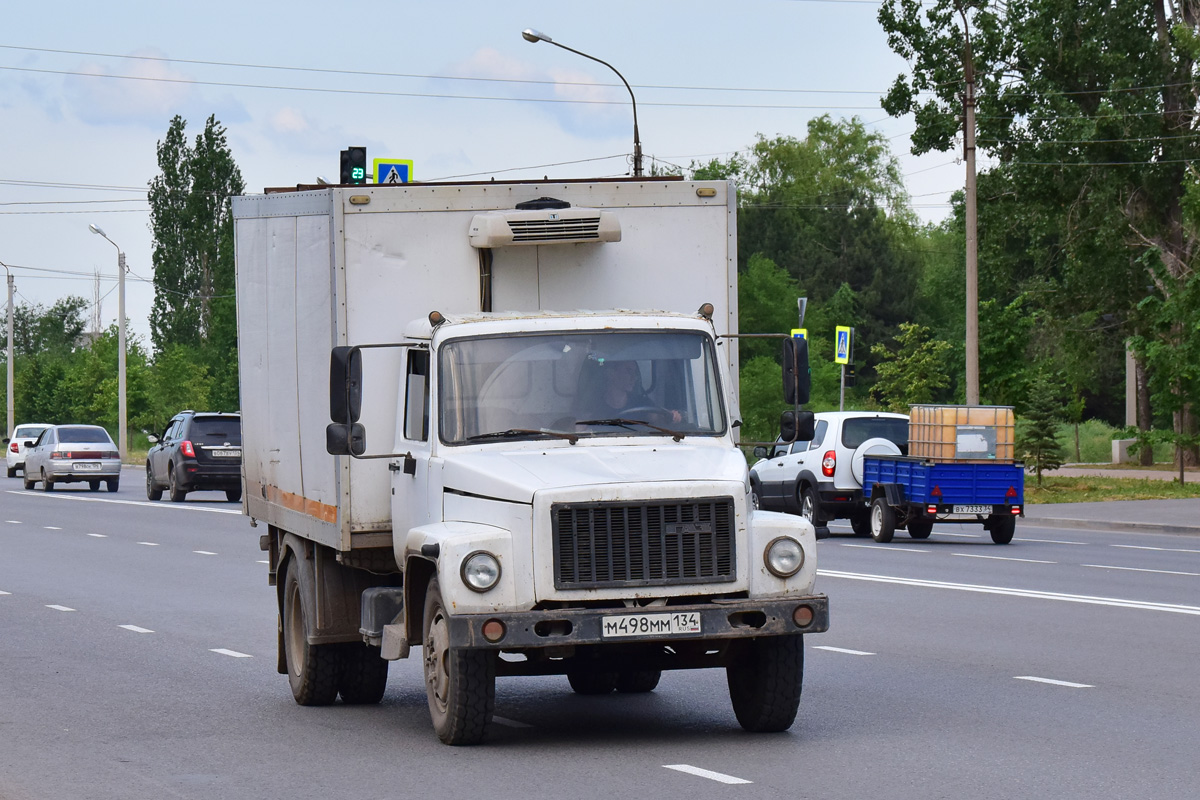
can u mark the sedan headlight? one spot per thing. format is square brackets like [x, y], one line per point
[480, 571]
[784, 557]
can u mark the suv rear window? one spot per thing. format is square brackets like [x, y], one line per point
[216, 430]
[856, 431]
[28, 431]
[83, 436]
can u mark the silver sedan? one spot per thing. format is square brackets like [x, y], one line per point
[73, 454]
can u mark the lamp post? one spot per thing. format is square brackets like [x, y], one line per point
[11, 421]
[534, 37]
[121, 410]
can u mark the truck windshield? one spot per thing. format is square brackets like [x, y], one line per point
[582, 384]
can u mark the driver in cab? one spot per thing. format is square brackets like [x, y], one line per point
[623, 393]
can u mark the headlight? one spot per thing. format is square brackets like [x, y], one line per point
[784, 557]
[481, 571]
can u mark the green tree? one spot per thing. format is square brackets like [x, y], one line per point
[192, 222]
[179, 380]
[914, 373]
[1037, 439]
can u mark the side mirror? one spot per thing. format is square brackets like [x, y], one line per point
[345, 439]
[760, 452]
[797, 383]
[152, 439]
[797, 426]
[345, 384]
[7, 440]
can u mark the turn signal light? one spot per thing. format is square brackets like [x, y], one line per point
[186, 448]
[802, 616]
[829, 463]
[493, 630]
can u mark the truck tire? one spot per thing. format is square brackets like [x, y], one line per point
[313, 669]
[152, 492]
[177, 495]
[920, 528]
[592, 682]
[460, 684]
[860, 522]
[1002, 528]
[364, 675]
[883, 520]
[810, 506]
[638, 681]
[765, 678]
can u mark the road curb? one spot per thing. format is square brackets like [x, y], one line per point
[1107, 525]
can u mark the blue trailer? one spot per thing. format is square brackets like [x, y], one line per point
[913, 493]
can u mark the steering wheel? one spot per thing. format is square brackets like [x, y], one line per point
[654, 409]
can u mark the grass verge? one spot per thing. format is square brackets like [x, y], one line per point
[1093, 489]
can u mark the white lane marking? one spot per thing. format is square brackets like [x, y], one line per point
[135, 629]
[512, 723]
[174, 506]
[1049, 541]
[1136, 569]
[99, 535]
[13, 521]
[961, 535]
[842, 650]
[50, 528]
[1143, 605]
[1161, 549]
[203, 553]
[888, 547]
[1004, 558]
[149, 544]
[705, 773]
[233, 653]
[262, 562]
[60, 608]
[1053, 682]
[3, 592]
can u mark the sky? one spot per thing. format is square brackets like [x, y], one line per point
[87, 92]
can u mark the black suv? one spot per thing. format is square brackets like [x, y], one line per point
[198, 450]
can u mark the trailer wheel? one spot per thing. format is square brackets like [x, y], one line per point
[638, 681]
[883, 520]
[459, 684]
[364, 675]
[313, 669]
[860, 522]
[765, 679]
[1002, 528]
[920, 528]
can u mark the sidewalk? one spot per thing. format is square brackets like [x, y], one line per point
[1146, 516]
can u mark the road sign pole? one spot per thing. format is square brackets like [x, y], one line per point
[842, 393]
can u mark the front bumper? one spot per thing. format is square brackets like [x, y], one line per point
[736, 619]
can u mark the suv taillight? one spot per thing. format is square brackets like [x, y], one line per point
[13, 447]
[186, 448]
[829, 463]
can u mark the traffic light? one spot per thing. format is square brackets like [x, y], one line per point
[354, 165]
[851, 379]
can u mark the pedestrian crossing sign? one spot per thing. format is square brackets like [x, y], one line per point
[842, 351]
[393, 170]
[799, 333]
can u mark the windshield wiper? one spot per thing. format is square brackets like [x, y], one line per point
[512, 432]
[625, 423]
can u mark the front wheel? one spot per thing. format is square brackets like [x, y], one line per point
[765, 679]
[152, 490]
[883, 520]
[1002, 528]
[460, 685]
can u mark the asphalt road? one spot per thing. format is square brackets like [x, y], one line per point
[137, 660]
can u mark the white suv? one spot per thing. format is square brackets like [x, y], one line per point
[14, 449]
[821, 479]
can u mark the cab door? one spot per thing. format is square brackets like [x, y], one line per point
[411, 504]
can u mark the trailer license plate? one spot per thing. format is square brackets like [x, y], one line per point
[86, 466]
[226, 453]
[650, 624]
[972, 509]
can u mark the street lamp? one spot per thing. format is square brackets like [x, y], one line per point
[8, 430]
[534, 37]
[121, 441]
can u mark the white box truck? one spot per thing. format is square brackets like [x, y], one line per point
[446, 454]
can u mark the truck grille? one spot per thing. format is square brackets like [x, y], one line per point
[651, 543]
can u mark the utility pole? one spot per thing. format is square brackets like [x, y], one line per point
[9, 385]
[972, 310]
